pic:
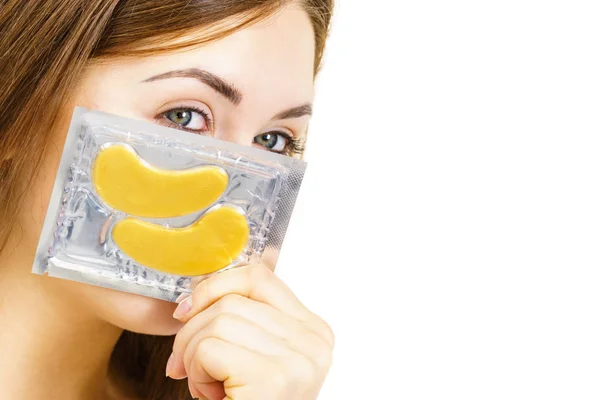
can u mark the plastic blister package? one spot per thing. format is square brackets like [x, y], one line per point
[153, 210]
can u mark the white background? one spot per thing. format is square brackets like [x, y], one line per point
[449, 224]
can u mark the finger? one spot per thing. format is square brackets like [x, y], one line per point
[231, 327]
[264, 276]
[298, 336]
[254, 281]
[211, 391]
[240, 332]
[196, 394]
[241, 370]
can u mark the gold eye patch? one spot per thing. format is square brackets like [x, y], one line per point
[129, 184]
[209, 244]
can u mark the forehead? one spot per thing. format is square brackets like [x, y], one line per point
[271, 59]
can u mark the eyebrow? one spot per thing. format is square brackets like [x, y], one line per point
[227, 89]
[217, 83]
[295, 112]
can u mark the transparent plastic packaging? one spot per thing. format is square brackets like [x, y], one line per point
[152, 210]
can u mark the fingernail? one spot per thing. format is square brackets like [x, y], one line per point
[195, 392]
[183, 308]
[182, 297]
[169, 365]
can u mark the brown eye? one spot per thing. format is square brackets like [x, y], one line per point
[274, 141]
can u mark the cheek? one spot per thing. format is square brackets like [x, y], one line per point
[131, 312]
[38, 192]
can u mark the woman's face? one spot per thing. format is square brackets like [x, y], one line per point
[254, 88]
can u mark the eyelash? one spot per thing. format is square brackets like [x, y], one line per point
[294, 146]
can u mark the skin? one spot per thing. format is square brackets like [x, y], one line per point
[58, 335]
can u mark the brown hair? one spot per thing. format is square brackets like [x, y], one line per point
[44, 47]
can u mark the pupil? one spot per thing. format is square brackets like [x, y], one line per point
[181, 117]
[269, 140]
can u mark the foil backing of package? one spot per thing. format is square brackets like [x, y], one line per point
[152, 210]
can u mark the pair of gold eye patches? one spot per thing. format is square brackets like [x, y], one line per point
[150, 210]
[128, 184]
